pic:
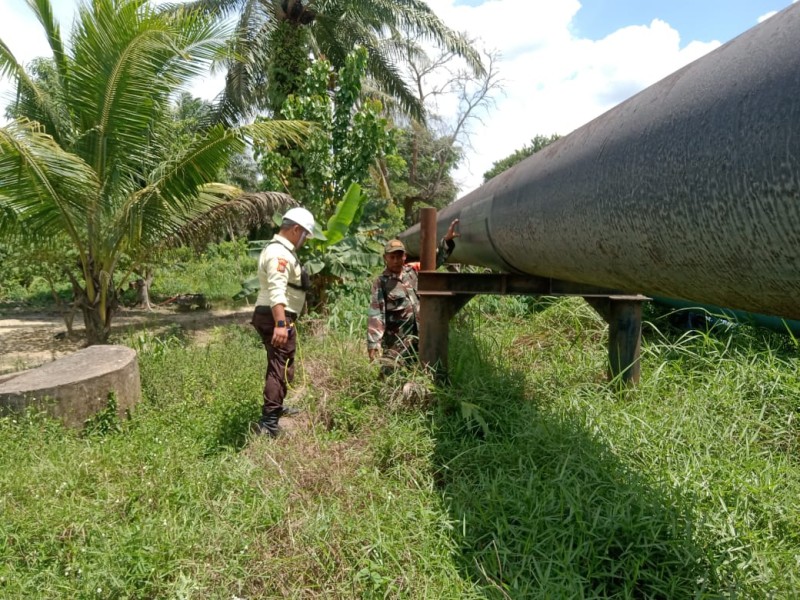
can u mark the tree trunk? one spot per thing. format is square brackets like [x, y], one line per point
[68, 314]
[98, 326]
[143, 289]
[410, 210]
[96, 329]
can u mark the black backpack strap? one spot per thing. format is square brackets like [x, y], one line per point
[305, 280]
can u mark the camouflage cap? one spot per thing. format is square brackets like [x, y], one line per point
[394, 246]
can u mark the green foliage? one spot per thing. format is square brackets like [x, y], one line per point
[537, 143]
[274, 39]
[346, 308]
[419, 173]
[346, 253]
[348, 138]
[215, 272]
[20, 266]
[588, 492]
[184, 502]
[33, 275]
[340, 256]
[88, 165]
[684, 487]
[104, 422]
[287, 64]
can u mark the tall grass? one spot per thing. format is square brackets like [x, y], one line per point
[684, 487]
[181, 501]
[528, 477]
[216, 273]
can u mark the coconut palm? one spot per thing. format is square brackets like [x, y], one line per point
[86, 163]
[274, 39]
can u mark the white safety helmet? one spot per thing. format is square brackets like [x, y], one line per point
[302, 217]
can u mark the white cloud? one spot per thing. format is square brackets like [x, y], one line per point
[555, 81]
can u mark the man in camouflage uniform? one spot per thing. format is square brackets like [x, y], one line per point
[394, 305]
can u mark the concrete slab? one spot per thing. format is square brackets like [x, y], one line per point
[75, 387]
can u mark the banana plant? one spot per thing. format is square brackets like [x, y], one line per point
[341, 253]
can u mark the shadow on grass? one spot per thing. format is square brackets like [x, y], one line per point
[545, 509]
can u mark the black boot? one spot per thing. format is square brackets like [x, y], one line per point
[268, 424]
[290, 411]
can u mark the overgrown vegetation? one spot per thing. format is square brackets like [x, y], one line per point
[215, 273]
[92, 162]
[528, 477]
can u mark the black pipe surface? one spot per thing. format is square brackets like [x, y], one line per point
[689, 189]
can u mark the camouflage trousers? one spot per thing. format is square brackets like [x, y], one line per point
[398, 352]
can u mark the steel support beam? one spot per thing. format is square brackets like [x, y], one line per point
[624, 317]
[436, 310]
[442, 295]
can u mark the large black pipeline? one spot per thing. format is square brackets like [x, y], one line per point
[689, 189]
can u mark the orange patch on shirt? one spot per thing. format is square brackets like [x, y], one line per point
[282, 262]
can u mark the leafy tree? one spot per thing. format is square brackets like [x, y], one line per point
[190, 116]
[85, 164]
[537, 143]
[350, 133]
[274, 39]
[421, 175]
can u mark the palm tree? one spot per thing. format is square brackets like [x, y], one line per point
[86, 163]
[275, 39]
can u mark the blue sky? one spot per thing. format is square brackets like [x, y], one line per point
[562, 62]
[701, 20]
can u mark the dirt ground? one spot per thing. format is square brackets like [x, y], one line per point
[29, 338]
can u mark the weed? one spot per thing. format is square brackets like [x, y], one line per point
[528, 477]
[104, 422]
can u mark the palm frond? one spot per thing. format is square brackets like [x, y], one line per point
[171, 196]
[241, 213]
[130, 60]
[222, 8]
[44, 12]
[46, 188]
[337, 34]
[417, 18]
[269, 133]
[245, 81]
[336, 27]
[33, 100]
[384, 73]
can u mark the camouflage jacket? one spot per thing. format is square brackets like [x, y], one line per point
[393, 316]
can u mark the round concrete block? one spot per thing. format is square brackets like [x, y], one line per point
[73, 388]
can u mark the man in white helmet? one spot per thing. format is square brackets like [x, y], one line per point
[284, 284]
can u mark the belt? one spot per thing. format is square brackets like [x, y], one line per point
[266, 310]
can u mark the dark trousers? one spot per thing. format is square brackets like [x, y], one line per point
[280, 361]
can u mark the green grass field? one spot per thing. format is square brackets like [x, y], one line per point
[528, 477]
